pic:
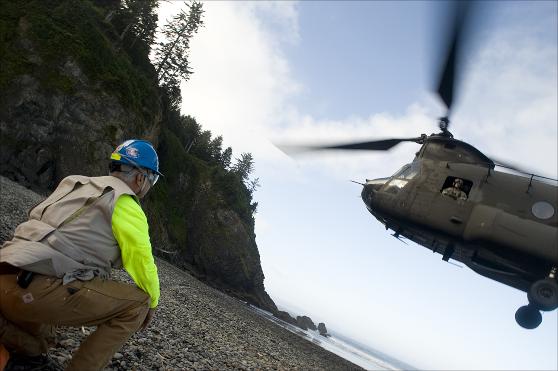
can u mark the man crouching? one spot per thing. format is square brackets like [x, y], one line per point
[56, 269]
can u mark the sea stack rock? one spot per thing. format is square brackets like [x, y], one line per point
[285, 317]
[305, 323]
[322, 329]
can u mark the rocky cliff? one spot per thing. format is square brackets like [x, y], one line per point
[70, 91]
[67, 96]
[199, 229]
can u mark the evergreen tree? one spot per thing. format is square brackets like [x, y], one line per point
[244, 166]
[215, 148]
[171, 55]
[135, 20]
[201, 146]
[144, 25]
[226, 157]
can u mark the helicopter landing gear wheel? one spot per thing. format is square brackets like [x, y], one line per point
[528, 317]
[543, 294]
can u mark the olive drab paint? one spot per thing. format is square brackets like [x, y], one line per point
[505, 227]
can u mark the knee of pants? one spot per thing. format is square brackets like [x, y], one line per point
[18, 340]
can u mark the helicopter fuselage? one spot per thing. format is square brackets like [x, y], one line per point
[504, 226]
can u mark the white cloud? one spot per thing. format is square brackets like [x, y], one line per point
[241, 80]
[281, 20]
[509, 107]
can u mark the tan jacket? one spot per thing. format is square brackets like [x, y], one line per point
[70, 233]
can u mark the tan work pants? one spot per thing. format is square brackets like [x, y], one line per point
[116, 308]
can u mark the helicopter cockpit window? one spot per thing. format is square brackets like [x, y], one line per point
[377, 181]
[402, 177]
[395, 185]
[456, 188]
[408, 171]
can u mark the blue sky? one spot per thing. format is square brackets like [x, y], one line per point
[360, 34]
[335, 71]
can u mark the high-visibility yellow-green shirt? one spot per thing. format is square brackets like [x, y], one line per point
[131, 231]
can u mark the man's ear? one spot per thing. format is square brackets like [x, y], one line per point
[141, 179]
[137, 179]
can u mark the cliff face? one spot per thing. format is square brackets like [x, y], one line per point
[198, 228]
[48, 135]
[64, 103]
[69, 93]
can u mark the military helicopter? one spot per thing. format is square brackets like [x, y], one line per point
[452, 200]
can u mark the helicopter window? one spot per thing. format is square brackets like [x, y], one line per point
[402, 177]
[395, 185]
[401, 171]
[377, 181]
[452, 188]
[542, 210]
[408, 171]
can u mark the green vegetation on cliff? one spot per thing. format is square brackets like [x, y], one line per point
[38, 36]
[203, 209]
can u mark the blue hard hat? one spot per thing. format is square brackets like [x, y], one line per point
[137, 153]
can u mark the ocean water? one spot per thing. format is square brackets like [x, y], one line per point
[343, 346]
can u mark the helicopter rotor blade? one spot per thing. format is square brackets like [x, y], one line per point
[516, 168]
[448, 75]
[508, 165]
[375, 145]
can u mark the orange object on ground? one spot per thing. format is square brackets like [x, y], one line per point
[4, 357]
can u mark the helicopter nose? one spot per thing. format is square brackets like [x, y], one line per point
[368, 192]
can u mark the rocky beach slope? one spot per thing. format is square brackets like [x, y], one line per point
[196, 327]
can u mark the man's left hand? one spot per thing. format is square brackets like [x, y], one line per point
[148, 319]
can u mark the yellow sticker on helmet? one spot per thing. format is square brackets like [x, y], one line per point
[115, 156]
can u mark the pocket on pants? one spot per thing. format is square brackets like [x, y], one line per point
[41, 286]
[98, 300]
[116, 290]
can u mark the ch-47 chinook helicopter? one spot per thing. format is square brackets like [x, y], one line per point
[451, 200]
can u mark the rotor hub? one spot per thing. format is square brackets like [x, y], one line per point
[443, 123]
